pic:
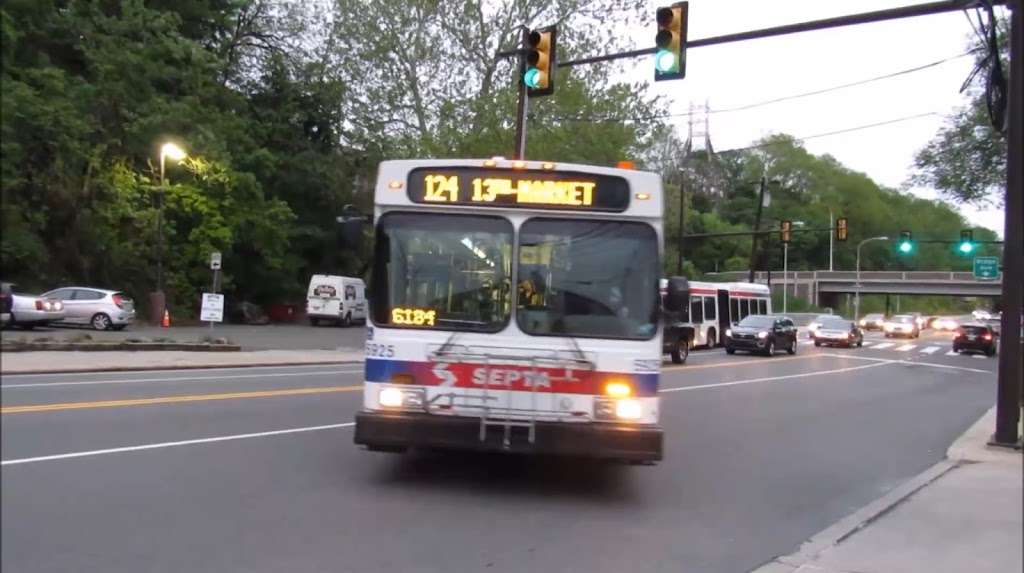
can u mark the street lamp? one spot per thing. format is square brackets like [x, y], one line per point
[174, 153]
[856, 303]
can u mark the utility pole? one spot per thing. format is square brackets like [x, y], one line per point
[785, 274]
[1008, 392]
[831, 237]
[757, 227]
[682, 220]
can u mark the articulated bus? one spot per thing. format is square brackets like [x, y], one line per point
[712, 307]
[514, 306]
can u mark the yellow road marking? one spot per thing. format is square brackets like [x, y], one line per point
[174, 399]
[684, 367]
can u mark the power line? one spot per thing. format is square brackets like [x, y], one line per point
[836, 132]
[745, 107]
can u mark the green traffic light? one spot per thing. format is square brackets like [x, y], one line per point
[906, 247]
[532, 78]
[665, 61]
[966, 248]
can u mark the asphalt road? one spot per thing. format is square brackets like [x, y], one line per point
[254, 470]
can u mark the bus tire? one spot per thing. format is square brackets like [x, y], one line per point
[712, 338]
[681, 351]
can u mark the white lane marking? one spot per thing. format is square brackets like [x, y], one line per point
[952, 353]
[907, 347]
[929, 350]
[173, 444]
[866, 344]
[883, 345]
[774, 378]
[982, 356]
[162, 370]
[910, 363]
[174, 379]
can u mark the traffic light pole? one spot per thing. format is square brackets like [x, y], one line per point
[757, 227]
[520, 152]
[1008, 392]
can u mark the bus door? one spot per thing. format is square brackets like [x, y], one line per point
[723, 312]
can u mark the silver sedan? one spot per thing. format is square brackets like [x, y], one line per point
[99, 308]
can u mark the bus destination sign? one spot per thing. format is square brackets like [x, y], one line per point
[526, 189]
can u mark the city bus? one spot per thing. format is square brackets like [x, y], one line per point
[514, 306]
[712, 307]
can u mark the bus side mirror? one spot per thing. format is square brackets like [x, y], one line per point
[350, 228]
[677, 295]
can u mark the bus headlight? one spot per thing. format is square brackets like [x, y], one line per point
[405, 398]
[628, 409]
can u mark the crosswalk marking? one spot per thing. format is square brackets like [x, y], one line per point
[979, 356]
[865, 344]
[929, 350]
[882, 345]
[907, 347]
[951, 353]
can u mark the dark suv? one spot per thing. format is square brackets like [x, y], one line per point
[761, 333]
[976, 337]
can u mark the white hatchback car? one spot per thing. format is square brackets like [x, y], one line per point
[99, 308]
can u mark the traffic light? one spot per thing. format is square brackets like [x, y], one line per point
[540, 61]
[785, 231]
[842, 229]
[906, 244]
[966, 245]
[670, 56]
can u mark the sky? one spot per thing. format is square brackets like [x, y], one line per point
[747, 72]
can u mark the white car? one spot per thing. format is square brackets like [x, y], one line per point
[29, 311]
[981, 314]
[99, 308]
[815, 324]
[902, 325]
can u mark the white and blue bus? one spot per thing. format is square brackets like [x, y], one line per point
[514, 306]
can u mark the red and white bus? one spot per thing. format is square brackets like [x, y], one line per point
[714, 307]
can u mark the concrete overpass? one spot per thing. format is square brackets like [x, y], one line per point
[824, 286]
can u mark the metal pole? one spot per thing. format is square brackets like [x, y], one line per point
[682, 220]
[856, 300]
[831, 237]
[1008, 393]
[785, 274]
[520, 152]
[757, 227]
[160, 227]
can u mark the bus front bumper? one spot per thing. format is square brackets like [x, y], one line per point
[398, 430]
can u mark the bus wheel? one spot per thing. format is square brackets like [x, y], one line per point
[681, 351]
[712, 338]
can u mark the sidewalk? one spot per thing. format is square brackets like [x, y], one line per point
[962, 515]
[54, 362]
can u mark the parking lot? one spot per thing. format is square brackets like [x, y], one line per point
[297, 336]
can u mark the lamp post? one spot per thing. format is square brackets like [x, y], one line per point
[856, 303]
[158, 302]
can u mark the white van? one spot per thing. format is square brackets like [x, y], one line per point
[337, 299]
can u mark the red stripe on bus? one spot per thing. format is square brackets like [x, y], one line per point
[702, 291]
[752, 294]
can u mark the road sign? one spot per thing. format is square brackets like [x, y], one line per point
[215, 260]
[986, 267]
[213, 308]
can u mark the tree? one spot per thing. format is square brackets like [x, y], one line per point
[966, 160]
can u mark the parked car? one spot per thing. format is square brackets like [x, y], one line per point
[761, 333]
[6, 302]
[99, 308]
[874, 321]
[839, 332]
[29, 311]
[815, 324]
[975, 337]
[902, 325]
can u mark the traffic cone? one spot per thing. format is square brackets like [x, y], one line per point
[166, 322]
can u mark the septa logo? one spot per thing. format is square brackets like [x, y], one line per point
[447, 377]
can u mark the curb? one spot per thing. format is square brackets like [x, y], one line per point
[120, 347]
[851, 524]
[181, 367]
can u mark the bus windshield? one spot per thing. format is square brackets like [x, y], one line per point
[448, 272]
[588, 278]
